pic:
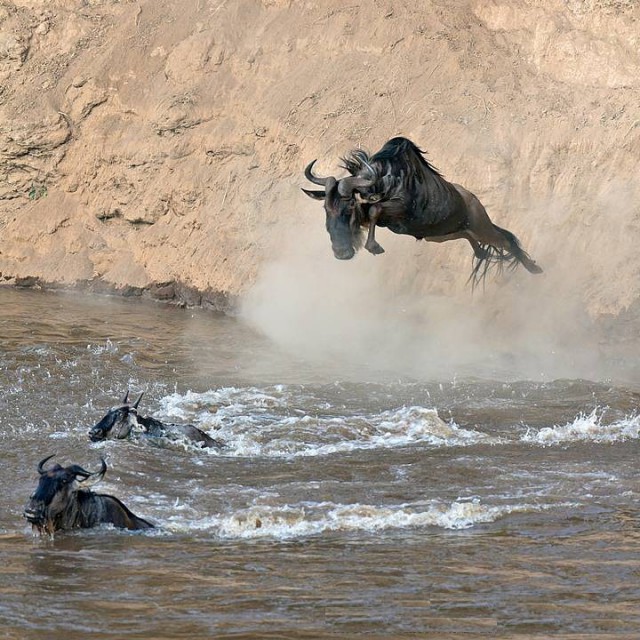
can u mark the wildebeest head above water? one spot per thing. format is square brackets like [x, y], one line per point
[123, 421]
[118, 421]
[59, 503]
[399, 189]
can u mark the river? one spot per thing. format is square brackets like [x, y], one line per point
[347, 502]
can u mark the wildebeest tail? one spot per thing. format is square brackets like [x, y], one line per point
[518, 252]
[497, 257]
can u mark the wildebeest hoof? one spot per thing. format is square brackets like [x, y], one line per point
[374, 247]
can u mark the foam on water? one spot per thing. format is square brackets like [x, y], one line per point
[106, 347]
[270, 423]
[586, 427]
[309, 519]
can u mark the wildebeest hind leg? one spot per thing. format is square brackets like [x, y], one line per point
[475, 245]
[506, 247]
[479, 251]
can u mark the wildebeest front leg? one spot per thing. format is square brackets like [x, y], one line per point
[371, 245]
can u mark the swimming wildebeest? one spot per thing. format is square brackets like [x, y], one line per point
[397, 188]
[59, 503]
[123, 420]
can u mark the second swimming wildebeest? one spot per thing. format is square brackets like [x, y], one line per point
[123, 421]
[397, 188]
[59, 503]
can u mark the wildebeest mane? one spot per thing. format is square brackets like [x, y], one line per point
[396, 156]
[400, 153]
[357, 161]
[402, 174]
[398, 162]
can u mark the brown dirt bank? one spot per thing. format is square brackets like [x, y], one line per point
[157, 147]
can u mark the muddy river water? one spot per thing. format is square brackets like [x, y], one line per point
[345, 503]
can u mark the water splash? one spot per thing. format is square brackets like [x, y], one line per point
[587, 427]
[309, 519]
[271, 423]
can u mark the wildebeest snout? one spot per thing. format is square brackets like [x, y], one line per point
[35, 513]
[343, 253]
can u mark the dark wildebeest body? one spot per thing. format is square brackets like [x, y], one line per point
[157, 429]
[122, 421]
[58, 503]
[397, 188]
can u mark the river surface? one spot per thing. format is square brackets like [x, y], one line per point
[346, 502]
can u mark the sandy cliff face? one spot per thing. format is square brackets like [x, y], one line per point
[159, 146]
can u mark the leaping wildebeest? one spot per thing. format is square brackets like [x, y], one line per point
[399, 189]
[60, 504]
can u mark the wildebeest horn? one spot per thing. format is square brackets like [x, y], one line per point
[316, 194]
[77, 470]
[126, 397]
[308, 174]
[41, 464]
[103, 469]
[137, 402]
[347, 186]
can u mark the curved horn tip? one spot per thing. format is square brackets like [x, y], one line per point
[89, 474]
[42, 463]
[137, 402]
[103, 468]
[316, 195]
[308, 174]
[126, 397]
[79, 472]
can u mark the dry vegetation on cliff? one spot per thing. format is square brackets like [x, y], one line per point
[158, 147]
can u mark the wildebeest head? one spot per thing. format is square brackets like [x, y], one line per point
[345, 214]
[54, 493]
[118, 422]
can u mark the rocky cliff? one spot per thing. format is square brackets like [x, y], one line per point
[157, 147]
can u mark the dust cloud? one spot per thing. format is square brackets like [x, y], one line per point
[372, 313]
